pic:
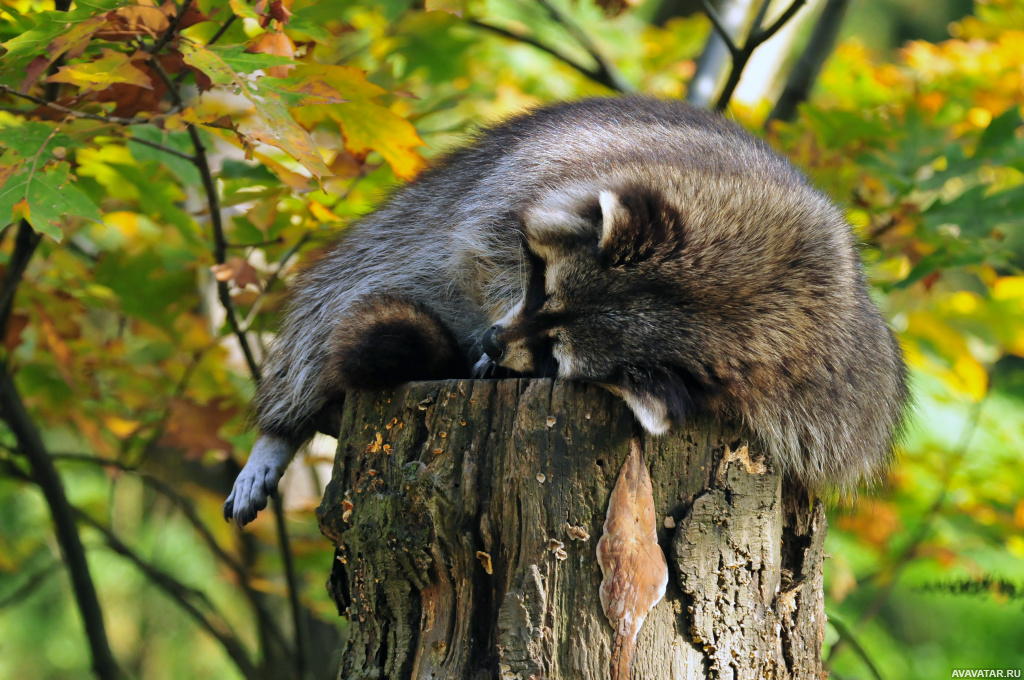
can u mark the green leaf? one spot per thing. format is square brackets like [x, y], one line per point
[32, 139]
[224, 64]
[51, 24]
[45, 198]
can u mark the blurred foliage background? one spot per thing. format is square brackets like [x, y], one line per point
[165, 169]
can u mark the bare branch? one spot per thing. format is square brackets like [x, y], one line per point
[160, 147]
[610, 76]
[45, 475]
[845, 634]
[720, 28]
[807, 68]
[117, 120]
[184, 596]
[764, 35]
[168, 35]
[185, 505]
[593, 74]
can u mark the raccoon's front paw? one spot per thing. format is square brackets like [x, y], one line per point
[485, 367]
[258, 479]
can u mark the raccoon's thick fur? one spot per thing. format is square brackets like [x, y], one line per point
[637, 243]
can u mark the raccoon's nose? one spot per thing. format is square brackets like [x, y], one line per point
[494, 347]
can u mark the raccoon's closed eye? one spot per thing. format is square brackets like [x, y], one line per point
[536, 293]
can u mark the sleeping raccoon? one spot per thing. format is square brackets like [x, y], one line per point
[641, 244]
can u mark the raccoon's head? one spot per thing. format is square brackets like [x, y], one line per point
[606, 300]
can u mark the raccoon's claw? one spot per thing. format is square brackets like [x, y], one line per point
[258, 479]
[485, 367]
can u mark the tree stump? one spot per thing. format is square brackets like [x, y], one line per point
[467, 516]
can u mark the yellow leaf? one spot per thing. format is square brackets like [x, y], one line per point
[111, 68]
[973, 377]
[366, 125]
[321, 213]
[120, 427]
[1008, 288]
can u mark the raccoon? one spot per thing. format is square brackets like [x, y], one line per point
[642, 244]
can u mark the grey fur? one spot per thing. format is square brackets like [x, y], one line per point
[687, 266]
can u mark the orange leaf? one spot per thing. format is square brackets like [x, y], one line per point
[276, 43]
[193, 427]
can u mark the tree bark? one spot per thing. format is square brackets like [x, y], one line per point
[467, 515]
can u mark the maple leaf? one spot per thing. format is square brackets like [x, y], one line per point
[633, 565]
[193, 427]
[111, 68]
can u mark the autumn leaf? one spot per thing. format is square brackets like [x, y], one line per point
[366, 125]
[273, 123]
[193, 427]
[276, 42]
[110, 69]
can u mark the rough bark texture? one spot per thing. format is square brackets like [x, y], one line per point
[467, 514]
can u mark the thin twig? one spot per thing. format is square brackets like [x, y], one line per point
[30, 584]
[171, 29]
[766, 34]
[723, 33]
[117, 120]
[593, 74]
[609, 74]
[160, 147]
[846, 634]
[44, 473]
[282, 264]
[217, 226]
[188, 510]
[218, 627]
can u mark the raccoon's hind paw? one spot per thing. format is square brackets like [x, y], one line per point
[258, 479]
[387, 340]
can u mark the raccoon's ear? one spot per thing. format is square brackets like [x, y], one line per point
[636, 224]
[657, 400]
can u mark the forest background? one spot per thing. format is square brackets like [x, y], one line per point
[165, 170]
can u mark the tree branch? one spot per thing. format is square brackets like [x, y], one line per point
[609, 74]
[593, 74]
[807, 68]
[220, 244]
[25, 244]
[117, 120]
[187, 509]
[846, 634]
[183, 595]
[220, 247]
[755, 38]
[160, 147]
[45, 475]
[171, 29]
[720, 28]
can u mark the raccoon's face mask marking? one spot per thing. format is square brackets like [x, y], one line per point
[602, 302]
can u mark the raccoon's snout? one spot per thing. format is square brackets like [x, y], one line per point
[494, 347]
